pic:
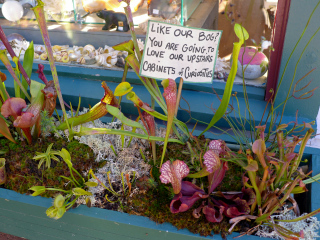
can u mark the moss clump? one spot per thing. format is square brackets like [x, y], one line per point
[23, 172]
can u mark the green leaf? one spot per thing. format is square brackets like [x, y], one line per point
[4, 129]
[40, 163]
[35, 89]
[122, 89]
[241, 33]
[17, 73]
[60, 212]
[93, 131]
[91, 184]
[36, 193]
[202, 173]
[37, 188]
[228, 88]
[126, 121]
[66, 156]
[51, 212]
[27, 65]
[80, 191]
[125, 46]
[58, 201]
[3, 92]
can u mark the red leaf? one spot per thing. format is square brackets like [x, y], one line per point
[13, 107]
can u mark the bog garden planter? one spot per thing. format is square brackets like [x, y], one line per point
[24, 216]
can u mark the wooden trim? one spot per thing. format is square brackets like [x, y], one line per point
[282, 17]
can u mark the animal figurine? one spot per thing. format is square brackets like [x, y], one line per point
[114, 19]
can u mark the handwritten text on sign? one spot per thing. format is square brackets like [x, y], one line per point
[173, 51]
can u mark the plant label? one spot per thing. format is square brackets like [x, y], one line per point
[173, 51]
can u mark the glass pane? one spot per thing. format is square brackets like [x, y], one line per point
[60, 11]
[160, 10]
[188, 8]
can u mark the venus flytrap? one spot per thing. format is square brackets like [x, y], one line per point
[61, 204]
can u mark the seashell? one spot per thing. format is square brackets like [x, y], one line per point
[124, 53]
[74, 56]
[39, 48]
[108, 49]
[65, 59]
[81, 60]
[64, 53]
[114, 61]
[100, 50]
[88, 49]
[56, 48]
[78, 50]
[114, 54]
[43, 56]
[36, 56]
[57, 53]
[103, 59]
[58, 58]
[94, 53]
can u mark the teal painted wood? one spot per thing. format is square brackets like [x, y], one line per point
[300, 11]
[25, 216]
[82, 83]
[115, 75]
[315, 187]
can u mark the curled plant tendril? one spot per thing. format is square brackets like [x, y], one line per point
[307, 94]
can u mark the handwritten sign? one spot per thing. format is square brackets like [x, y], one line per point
[173, 51]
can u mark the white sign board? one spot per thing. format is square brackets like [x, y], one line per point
[173, 51]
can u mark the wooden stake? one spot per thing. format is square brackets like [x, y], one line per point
[179, 96]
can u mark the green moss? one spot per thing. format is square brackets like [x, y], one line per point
[23, 172]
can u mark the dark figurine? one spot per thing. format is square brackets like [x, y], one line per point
[114, 19]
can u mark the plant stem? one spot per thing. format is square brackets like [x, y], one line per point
[128, 12]
[40, 16]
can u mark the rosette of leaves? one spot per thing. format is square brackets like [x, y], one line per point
[46, 157]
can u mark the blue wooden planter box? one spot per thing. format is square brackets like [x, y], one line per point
[25, 216]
